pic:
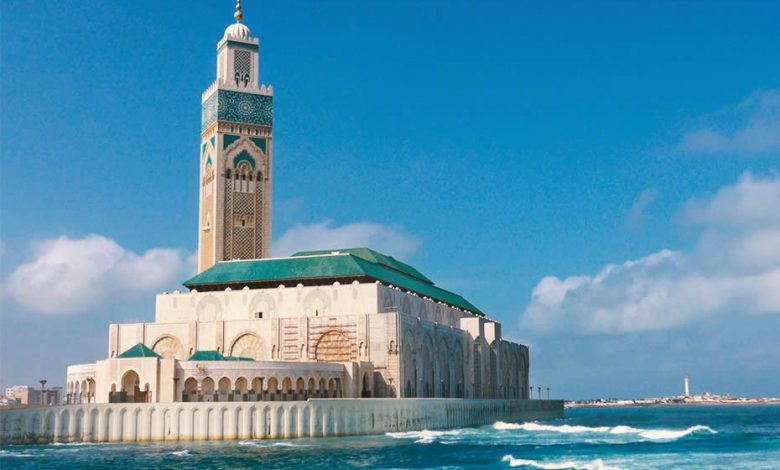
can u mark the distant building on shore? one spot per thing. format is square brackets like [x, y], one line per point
[26, 395]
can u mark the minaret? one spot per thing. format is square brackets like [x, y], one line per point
[687, 389]
[235, 154]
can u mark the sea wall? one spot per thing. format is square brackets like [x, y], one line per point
[139, 422]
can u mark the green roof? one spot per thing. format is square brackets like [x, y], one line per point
[356, 263]
[375, 257]
[139, 350]
[215, 356]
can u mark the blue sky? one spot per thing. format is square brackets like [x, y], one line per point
[600, 178]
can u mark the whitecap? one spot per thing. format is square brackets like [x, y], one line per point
[181, 453]
[8, 453]
[262, 444]
[597, 464]
[425, 436]
[651, 434]
[668, 434]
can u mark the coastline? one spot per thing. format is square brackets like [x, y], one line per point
[669, 404]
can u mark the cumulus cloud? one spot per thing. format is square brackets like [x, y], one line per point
[752, 127]
[70, 275]
[734, 269]
[323, 235]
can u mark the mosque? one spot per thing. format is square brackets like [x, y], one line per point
[341, 323]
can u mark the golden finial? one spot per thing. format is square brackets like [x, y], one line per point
[238, 15]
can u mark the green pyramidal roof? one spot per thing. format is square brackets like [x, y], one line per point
[360, 264]
[373, 256]
[139, 350]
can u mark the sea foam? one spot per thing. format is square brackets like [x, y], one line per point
[8, 453]
[597, 464]
[651, 434]
[425, 436]
[262, 444]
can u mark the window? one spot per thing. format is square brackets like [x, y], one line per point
[258, 314]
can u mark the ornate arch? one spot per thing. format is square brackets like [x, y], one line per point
[316, 303]
[248, 345]
[169, 347]
[244, 150]
[334, 346]
[208, 308]
[262, 302]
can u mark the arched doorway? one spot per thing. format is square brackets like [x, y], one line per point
[131, 388]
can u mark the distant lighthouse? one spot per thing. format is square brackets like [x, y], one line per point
[687, 388]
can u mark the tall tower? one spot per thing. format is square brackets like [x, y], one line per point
[687, 388]
[235, 154]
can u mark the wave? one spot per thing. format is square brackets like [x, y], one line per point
[75, 444]
[652, 434]
[8, 453]
[181, 453]
[425, 436]
[262, 444]
[597, 464]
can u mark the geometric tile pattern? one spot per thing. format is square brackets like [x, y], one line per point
[234, 106]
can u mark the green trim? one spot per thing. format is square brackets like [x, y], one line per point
[213, 142]
[208, 161]
[139, 350]
[259, 142]
[244, 157]
[216, 356]
[239, 45]
[203, 149]
[228, 139]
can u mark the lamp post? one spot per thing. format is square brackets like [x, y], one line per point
[43, 391]
[548, 393]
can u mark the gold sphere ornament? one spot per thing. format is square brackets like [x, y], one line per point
[238, 15]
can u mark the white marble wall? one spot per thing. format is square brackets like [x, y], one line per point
[258, 420]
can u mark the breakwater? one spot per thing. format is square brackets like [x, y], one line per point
[143, 422]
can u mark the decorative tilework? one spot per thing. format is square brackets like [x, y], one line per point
[228, 140]
[203, 149]
[234, 106]
[259, 142]
[245, 108]
[213, 141]
[208, 114]
[244, 157]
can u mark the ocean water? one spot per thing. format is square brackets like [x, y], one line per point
[626, 438]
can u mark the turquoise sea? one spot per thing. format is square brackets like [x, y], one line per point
[646, 438]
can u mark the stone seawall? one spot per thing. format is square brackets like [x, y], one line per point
[140, 422]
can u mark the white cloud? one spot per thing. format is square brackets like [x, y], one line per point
[752, 127]
[636, 215]
[323, 235]
[81, 275]
[734, 269]
[747, 203]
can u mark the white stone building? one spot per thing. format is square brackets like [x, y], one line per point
[342, 323]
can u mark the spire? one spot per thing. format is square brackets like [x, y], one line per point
[238, 15]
